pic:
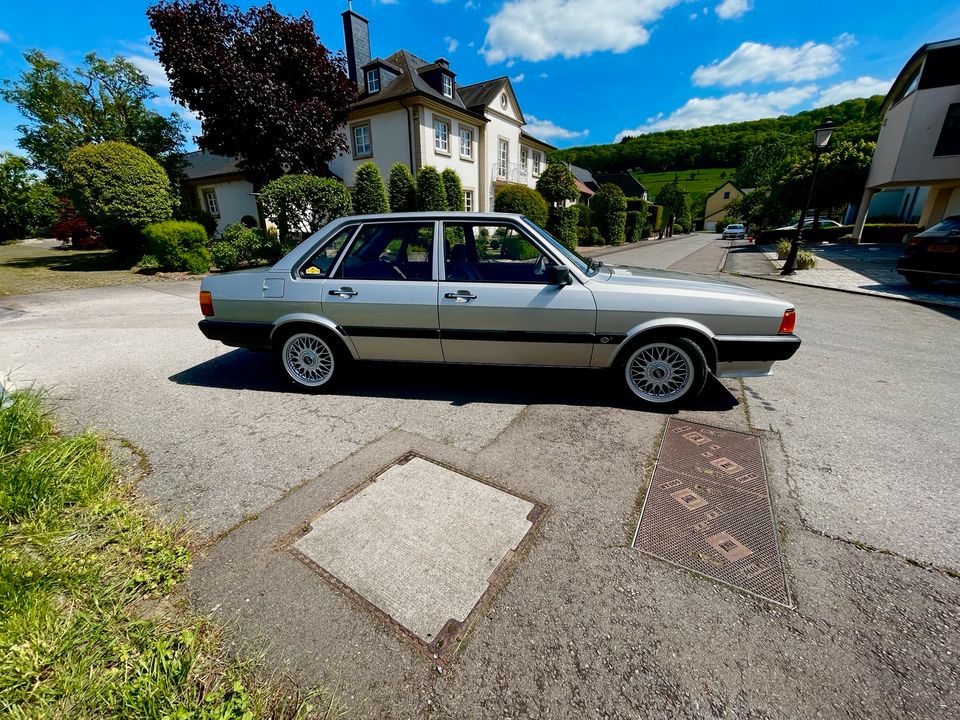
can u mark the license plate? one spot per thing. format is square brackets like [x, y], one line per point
[942, 248]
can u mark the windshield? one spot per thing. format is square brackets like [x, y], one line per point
[585, 265]
[947, 225]
[734, 227]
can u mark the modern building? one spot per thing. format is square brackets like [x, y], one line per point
[416, 112]
[717, 201]
[918, 150]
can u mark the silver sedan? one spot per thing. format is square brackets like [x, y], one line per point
[491, 288]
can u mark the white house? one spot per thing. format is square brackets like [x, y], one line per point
[409, 111]
[415, 112]
[918, 150]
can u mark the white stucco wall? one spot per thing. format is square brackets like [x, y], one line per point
[234, 199]
[469, 170]
[390, 138]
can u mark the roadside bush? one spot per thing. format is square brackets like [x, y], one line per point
[240, 246]
[609, 213]
[562, 224]
[557, 184]
[178, 245]
[654, 218]
[369, 192]
[522, 200]
[453, 189]
[634, 226]
[302, 204]
[592, 236]
[783, 248]
[431, 194]
[73, 229]
[118, 189]
[403, 189]
[806, 260]
[584, 216]
[197, 215]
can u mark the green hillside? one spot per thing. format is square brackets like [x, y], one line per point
[723, 146]
[703, 180]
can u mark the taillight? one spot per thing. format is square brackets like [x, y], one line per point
[915, 240]
[789, 321]
[206, 303]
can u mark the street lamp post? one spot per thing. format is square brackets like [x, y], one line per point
[821, 137]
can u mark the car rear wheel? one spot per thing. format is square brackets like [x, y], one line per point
[311, 361]
[665, 371]
[919, 280]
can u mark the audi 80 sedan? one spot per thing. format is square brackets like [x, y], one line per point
[491, 288]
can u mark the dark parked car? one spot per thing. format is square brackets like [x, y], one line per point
[933, 254]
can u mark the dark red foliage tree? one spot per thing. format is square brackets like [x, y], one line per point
[265, 88]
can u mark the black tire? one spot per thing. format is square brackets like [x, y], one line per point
[312, 359]
[919, 280]
[663, 371]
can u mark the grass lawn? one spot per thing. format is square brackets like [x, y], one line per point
[91, 625]
[41, 266]
[700, 185]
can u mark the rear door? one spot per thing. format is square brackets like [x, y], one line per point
[383, 292]
[497, 304]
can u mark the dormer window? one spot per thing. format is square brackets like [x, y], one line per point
[373, 80]
[447, 86]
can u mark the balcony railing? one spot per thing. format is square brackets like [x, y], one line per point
[510, 172]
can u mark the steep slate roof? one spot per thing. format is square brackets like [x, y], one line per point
[410, 82]
[201, 164]
[584, 176]
[625, 181]
[481, 94]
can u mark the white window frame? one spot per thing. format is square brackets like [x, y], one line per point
[468, 200]
[503, 157]
[357, 153]
[441, 136]
[373, 80]
[211, 202]
[523, 156]
[447, 83]
[536, 162]
[468, 134]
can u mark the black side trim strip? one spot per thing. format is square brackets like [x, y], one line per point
[238, 334]
[483, 335]
[781, 348]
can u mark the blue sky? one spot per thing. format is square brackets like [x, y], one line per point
[585, 71]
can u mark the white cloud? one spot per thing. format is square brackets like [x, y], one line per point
[736, 107]
[4, 37]
[471, 5]
[471, 44]
[541, 29]
[440, 2]
[729, 9]
[547, 130]
[694, 16]
[452, 44]
[543, 76]
[518, 78]
[385, 2]
[863, 86]
[755, 62]
[152, 68]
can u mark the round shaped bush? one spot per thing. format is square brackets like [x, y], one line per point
[302, 204]
[178, 245]
[114, 185]
[522, 200]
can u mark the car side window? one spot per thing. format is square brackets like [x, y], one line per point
[484, 252]
[390, 251]
[319, 264]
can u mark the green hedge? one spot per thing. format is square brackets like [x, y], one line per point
[522, 200]
[178, 245]
[562, 224]
[872, 233]
[654, 218]
[242, 246]
[634, 225]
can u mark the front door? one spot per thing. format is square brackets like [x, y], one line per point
[383, 292]
[498, 306]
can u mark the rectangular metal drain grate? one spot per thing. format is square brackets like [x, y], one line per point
[708, 510]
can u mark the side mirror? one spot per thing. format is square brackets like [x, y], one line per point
[560, 275]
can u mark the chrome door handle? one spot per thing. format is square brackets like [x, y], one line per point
[344, 292]
[460, 296]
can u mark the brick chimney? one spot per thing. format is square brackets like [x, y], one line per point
[356, 35]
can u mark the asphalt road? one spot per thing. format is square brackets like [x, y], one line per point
[860, 450]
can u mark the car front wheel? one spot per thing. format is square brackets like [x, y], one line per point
[311, 361]
[662, 372]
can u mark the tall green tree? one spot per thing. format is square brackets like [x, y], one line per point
[762, 164]
[27, 204]
[557, 184]
[403, 189]
[98, 101]
[267, 91]
[841, 175]
[431, 194]
[676, 204]
[369, 192]
[453, 189]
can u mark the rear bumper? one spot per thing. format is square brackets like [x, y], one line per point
[252, 335]
[755, 349]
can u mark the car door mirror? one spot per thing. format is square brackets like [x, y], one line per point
[559, 275]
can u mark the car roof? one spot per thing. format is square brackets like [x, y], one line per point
[430, 215]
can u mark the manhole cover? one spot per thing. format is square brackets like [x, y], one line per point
[420, 544]
[708, 510]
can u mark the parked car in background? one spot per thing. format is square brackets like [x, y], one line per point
[496, 289]
[808, 223]
[933, 254]
[734, 231]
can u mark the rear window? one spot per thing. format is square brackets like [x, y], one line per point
[734, 227]
[950, 224]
